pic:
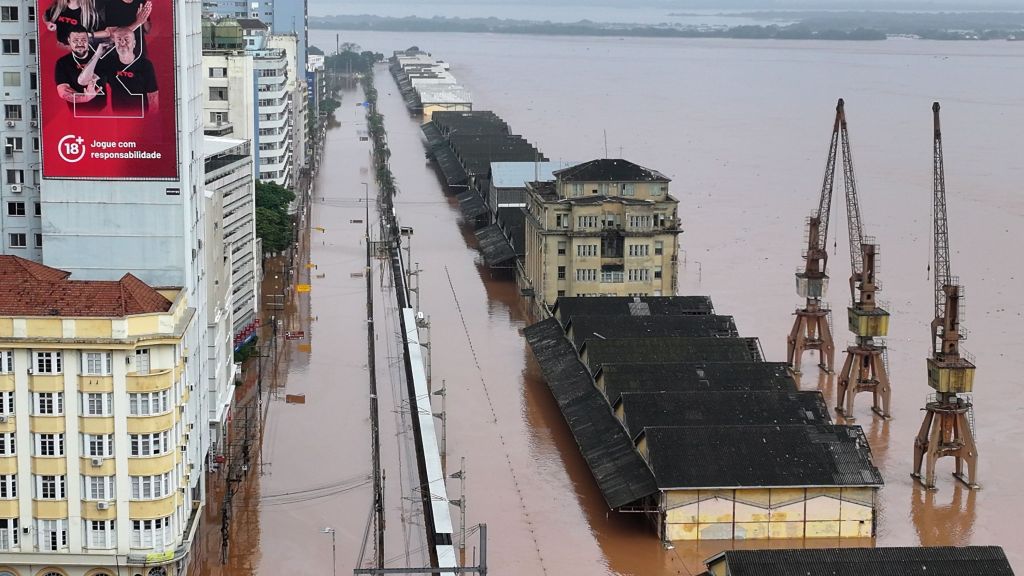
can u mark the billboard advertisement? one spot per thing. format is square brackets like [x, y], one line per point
[107, 89]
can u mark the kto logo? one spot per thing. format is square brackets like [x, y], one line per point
[71, 148]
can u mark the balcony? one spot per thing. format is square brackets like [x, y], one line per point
[151, 382]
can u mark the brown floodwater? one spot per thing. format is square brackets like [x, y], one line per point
[742, 129]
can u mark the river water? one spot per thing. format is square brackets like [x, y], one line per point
[742, 129]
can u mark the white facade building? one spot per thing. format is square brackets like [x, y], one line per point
[229, 97]
[296, 85]
[20, 223]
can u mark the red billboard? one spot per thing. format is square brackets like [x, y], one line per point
[107, 89]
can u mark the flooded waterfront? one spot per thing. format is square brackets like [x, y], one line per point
[742, 129]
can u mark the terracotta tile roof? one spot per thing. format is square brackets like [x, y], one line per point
[31, 289]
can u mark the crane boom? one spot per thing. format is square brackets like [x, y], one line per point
[854, 224]
[942, 276]
[825, 201]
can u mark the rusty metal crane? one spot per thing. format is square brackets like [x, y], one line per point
[947, 429]
[864, 369]
[811, 330]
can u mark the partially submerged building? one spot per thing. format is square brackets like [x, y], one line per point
[903, 561]
[728, 447]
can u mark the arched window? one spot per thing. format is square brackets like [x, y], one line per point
[158, 571]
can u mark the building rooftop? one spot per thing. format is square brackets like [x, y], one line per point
[909, 561]
[610, 170]
[617, 467]
[568, 306]
[794, 456]
[595, 352]
[470, 122]
[31, 289]
[517, 174]
[251, 24]
[581, 328]
[646, 409]
[618, 378]
[444, 94]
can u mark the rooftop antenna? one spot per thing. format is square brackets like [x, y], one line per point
[605, 143]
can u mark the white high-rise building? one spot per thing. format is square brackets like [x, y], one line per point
[20, 223]
[296, 85]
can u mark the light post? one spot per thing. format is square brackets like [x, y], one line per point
[334, 550]
[700, 272]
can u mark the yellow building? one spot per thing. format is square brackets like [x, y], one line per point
[607, 227]
[93, 405]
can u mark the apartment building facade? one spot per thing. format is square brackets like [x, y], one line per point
[96, 474]
[20, 208]
[607, 227]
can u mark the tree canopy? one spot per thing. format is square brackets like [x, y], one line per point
[273, 223]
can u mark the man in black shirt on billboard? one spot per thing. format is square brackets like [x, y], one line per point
[132, 79]
[132, 14]
[84, 98]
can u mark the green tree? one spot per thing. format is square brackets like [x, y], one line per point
[273, 196]
[273, 223]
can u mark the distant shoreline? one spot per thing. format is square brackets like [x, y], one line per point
[811, 25]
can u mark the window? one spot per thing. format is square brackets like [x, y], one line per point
[15, 176]
[31, 13]
[561, 220]
[97, 404]
[8, 486]
[150, 444]
[586, 274]
[97, 363]
[659, 247]
[658, 191]
[587, 221]
[6, 362]
[142, 361]
[98, 487]
[48, 362]
[561, 293]
[49, 444]
[53, 535]
[629, 189]
[9, 13]
[99, 534]
[12, 111]
[561, 247]
[34, 112]
[48, 402]
[151, 533]
[11, 46]
[15, 208]
[151, 487]
[561, 272]
[35, 144]
[39, 240]
[98, 445]
[640, 221]
[8, 533]
[638, 249]
[17, 240]
[586, 249]
[31, 45]
[218, 94]
[149, 403]
[603, 188]
[657, 272]
[50, 488]
[222, 117]
[12, 79]
[577, 188]
[7, 444]
[218, 72]
[14, 144]
[6, 403]
[33, 81]
[639, 274]
[37, 210]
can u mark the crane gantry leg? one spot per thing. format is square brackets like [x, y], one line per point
[946, 431]
[811, 332]
[863, 371]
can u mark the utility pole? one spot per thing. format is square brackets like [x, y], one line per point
[461, 503]
[443, 416]
[371, 363]
[480, 568]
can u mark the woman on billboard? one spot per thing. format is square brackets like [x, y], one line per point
[64, 15]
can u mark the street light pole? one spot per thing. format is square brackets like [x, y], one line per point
[334, 549]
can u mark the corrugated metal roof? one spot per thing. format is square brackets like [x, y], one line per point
[669, 349]
[582, 328]
[610, 170]
[494, 245]
[617, 467]
[471, 204]
[760, 456]
[908, 561]
[444, 94]
[567, 306]
[619, 378]
[647, 409]
[517, 174]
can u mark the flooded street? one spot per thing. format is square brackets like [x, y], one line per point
[742, 129]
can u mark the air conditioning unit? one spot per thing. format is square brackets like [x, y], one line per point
[16, 188]
[10, 124]
[3, 418]
[97, 462]
[103, 505]
[33, 123]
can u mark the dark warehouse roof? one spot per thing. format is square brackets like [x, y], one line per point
[670, 349]
[568, 306]
[582, 328]
[619, 377]
[610, 170]
[903, 561]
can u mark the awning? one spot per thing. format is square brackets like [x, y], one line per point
[495, 246]
[471, 204]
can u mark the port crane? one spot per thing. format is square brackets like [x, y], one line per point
[947, 429]
[811, 330]
[864, 369]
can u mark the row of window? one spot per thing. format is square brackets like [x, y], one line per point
[20, 240]
[643, 221]
[614, 189]
[13, 111]
[11, 46]
[14, 144]
[19, 209]
[93, 445]
[12, 14]
[91, 363]
[15, 176]
[12, 79]
[633, 275]
[634, 249]
[92, 403]
[93, 487]
[99, 534]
